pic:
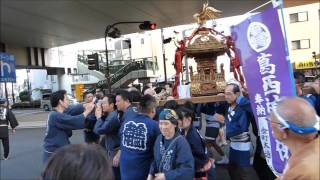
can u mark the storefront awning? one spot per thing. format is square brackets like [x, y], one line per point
[308, 64]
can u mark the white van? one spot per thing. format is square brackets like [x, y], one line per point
[45, 102]
[46, 105]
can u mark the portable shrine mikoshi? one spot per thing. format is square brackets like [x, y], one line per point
[205, 45]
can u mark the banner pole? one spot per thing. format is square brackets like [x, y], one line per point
[287, 50]
[258, 7]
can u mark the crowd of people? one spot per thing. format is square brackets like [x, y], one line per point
[128, 136]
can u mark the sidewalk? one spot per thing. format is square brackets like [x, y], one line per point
[31, 118]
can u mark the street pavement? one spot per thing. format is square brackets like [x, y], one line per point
[31, 118]
[25, 159]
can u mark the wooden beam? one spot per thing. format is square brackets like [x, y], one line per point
[200, 99]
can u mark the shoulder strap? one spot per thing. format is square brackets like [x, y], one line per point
[202, 140]
[165, 152]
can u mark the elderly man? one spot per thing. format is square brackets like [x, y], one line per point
[237, 131]
[296, 124]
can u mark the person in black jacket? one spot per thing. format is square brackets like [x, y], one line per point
[202, 163]
[89, 135]
[6, 117]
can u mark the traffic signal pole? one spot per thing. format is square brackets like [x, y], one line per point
[107, 74]
[164, 57]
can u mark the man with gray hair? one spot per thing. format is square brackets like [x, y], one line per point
[295, 123]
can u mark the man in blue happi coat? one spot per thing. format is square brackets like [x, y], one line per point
[237, 131]
[62, 120]
[138, 133]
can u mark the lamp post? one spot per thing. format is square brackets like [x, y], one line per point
[144, 25]
[28, 80]
[164, 56]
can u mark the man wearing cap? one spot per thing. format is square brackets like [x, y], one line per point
[6, 117]
[295, 123]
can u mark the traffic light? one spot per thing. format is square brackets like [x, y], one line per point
[128, 43]
[147, 25]
[93, 61]
[115, 33]
[168, 40]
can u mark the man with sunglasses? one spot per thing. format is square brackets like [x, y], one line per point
[295, 123]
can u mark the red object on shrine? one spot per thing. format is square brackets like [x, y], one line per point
[230, 50]
[235, 60]
[178, 66]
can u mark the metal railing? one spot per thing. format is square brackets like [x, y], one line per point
[134, 65]
[120, 71]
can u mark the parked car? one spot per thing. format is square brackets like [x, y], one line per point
[45, 102]
[46, 105]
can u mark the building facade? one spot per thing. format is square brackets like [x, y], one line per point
[303, 34]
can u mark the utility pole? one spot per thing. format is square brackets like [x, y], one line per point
[3, 49]
[186, 61]
[164, 57]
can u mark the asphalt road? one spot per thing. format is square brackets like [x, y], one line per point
[31, 118]
[25, 159]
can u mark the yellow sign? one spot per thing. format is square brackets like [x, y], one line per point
[308, 64]
[78, 92]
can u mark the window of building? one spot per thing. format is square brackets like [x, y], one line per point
[142, 41]
[52, 78]
[85, 78]
[299, 17]
[69, 70]
[300, 44]
[75, 71]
